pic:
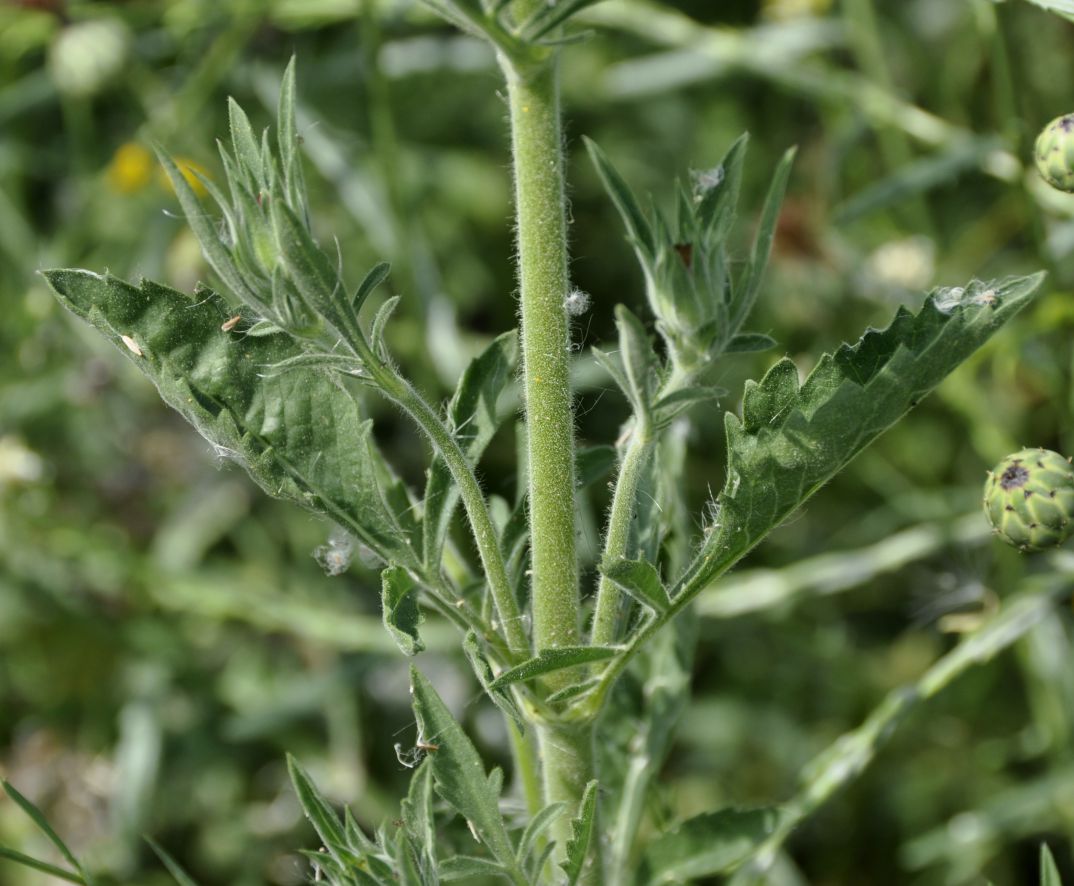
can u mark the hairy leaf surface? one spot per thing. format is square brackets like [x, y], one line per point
[582, 827]
[459, 772]
[793, 438]
[298, 434]
[554, 659]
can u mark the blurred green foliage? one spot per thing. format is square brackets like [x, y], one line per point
[165, 633]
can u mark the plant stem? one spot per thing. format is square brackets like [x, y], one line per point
[540, 203]
[473, 500]
[542, 259]
[617, 540]
[527, 768]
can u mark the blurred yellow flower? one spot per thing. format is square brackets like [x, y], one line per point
[131, 168]
[191, 169]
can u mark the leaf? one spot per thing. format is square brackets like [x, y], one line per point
[719, 203]
[1049, 873]
[314, 276]
[537, 825]
[377, 275]
[287, 141]
[582, 828]
[762, 244]
[408, 867]
[343, 363]
[668, 408]
[639, 360]
[638, 229]
[644, 710]
[178, 874]
[417, 810]
[792, 439]
[39, 819]
[613, 365]
[474, 419]
[641, 580]
[468, 867]
[37, 865]
[206, 234]
[501, 696]
[300, 436]
[380, 322]
[245, 147]
[555, 659]
[320, 814]
[749, 343]
[709, 844]
[459, 772]
[399, 602]
[572, 691]
[548, 17]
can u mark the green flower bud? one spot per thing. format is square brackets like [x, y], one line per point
[1055, 153]
[1029, 499]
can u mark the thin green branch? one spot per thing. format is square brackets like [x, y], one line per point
[616, 543]
[473, 499]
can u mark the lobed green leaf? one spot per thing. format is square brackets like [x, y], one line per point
[640, 363]
[459, 773]
[317, 809]
[582, 829]
[299, 434]
[793, 438]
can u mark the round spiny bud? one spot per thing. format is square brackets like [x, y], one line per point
[1054, 153]
[1029, 499]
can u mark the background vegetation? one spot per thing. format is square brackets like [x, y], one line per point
[165, 633]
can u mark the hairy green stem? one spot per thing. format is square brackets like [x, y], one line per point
[566, 752]
[616, 542]
[473, 500]
[542, 263]
[640, 449]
